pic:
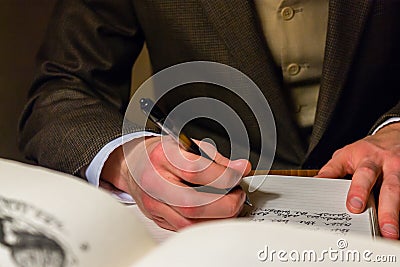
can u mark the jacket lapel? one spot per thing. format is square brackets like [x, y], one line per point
[345, 27]
[236, 22]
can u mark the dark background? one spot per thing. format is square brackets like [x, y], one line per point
[22, 27]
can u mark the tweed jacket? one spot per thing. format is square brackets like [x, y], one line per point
[81, 89]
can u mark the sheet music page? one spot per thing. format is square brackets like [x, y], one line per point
[158, 234]
[53, 219]
[237, 242]
[314, 203]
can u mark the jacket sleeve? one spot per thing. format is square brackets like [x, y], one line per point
[82, 85]
[392, 114]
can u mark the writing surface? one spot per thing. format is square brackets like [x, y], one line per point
[314, 203]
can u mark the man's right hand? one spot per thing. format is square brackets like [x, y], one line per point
[157, 174]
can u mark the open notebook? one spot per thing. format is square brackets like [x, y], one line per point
[52, 219]
[305, 202]
[313, 203]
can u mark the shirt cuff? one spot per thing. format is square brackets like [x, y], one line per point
[391, 120]
[95, 167]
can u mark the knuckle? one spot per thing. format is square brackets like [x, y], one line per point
[157, 154]
[191, 177]
[149, 204]
[343, 150]
[182, 164]
[393, 160]
[392, 187]
[182, 223]
[190, 212]
[369, 168]
[393, 178]
[371, 164]
[189, 169]
[338, 152]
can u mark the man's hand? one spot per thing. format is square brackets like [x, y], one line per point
[369, 160]
[158, 174]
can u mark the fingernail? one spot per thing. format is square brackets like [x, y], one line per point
[356, 203]
[390, 229]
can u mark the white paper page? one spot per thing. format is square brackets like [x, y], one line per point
[314, 203]
[238, 243]
[157, 233]
[52, 219]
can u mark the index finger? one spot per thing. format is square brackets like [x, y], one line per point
[214, 175]
[175, 193]
[197, 170]
[337, 166]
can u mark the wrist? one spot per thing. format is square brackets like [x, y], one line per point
[116, 170]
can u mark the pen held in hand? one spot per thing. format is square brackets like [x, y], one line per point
[158, 117]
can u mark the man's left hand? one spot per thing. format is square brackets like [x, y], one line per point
[370, 159]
